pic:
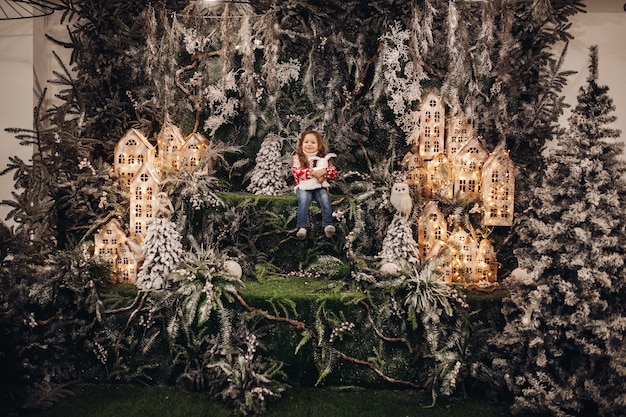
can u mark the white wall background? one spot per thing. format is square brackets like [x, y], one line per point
[16, 95]
[26, 62]
[604, 25]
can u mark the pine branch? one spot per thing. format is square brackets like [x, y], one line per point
[302, 326]
[188, 93]
[379, 333]
[118, 342]
[374, 368]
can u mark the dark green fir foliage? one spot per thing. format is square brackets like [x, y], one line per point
[562, 347]
[267, 67]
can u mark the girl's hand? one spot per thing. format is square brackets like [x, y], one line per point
[320, 174]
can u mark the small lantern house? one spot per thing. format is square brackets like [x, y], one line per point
[144, 190]
[412, 159]
[415, 171]
[439, 174]
[126, 264]
[192, 151]
[107, 239]
[459, 133]
[130, 153]
[432, 129]
[169, 141]
[486, 262]
[498, 189]
[432, 231]
[463, 256]
[467, 166]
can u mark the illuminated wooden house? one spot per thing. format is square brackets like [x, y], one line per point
[191, 153]
[130, 153]
[459, 133]
[439, 177]
[107, 239]
[486, 262]
[415, 170]
[498, 188]
[463, 249]
[126, 264]
[448, 163]
[412, 159]
[169, 141]
[467, 166]
[432, 231]
[144, 190]
[432, 127]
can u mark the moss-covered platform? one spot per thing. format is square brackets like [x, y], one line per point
[297, 300]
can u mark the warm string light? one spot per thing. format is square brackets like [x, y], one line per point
[468, 261]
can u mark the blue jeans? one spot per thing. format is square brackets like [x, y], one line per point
[322, 197]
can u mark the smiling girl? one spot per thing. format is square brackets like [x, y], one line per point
[311, 182]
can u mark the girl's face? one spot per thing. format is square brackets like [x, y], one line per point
[309, 144]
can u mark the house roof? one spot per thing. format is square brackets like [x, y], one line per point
[149, 169]
[136, 134]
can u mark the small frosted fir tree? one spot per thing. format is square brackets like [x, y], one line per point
[162, 251]
[268, 175]
[562, 349]
[399, 246]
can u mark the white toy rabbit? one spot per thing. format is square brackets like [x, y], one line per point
[312, 183]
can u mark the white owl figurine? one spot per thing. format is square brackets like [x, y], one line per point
[313, 183]
[164, 206]
[401, 198]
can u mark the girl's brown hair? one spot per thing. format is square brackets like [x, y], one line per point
[321, 144]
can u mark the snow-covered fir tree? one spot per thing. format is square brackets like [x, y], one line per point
[399, 247]
[268, 175]
[163, 251]
[562, 351]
